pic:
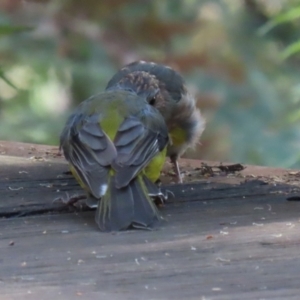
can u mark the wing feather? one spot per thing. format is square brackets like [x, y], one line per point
[136, 152]
[90, 151]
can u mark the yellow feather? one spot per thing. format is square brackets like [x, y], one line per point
[111, 123]
[178, 136]
[153, 169]
[77, 177]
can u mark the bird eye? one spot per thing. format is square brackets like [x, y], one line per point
[152, 101]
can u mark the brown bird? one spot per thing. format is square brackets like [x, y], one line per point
[177, 106]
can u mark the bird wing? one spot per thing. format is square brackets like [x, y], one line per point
[136, 145]
[89, 150]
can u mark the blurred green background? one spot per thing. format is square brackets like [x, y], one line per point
[239, 57]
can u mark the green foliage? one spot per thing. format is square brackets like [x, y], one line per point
[6, 80]
[54, 54]
[7, 29]
[291, 49]
[289, 16]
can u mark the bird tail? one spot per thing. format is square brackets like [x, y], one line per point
[130, 206]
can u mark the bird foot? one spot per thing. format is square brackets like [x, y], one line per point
[70, 201]
[160, 198]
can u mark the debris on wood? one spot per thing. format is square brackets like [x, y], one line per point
[224, 232]
[222, 259]
[48, 185]
[277, 235]
[257, 224]
[37, 158]
[231, 168]
[15, 189]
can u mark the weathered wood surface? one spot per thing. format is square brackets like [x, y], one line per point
[223, 237]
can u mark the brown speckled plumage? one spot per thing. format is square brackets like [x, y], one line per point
[172, 99]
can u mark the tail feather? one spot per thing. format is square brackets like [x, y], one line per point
[120, 209]
[115, 209]
[92, 202]
[145, 211]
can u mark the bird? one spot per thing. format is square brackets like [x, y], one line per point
[177, 106]
[116, 143]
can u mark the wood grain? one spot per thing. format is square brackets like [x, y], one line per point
[225, 237]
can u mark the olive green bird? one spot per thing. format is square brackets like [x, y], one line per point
[178, 108]
[116, 145]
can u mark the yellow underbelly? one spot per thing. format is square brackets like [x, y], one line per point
[153, 169]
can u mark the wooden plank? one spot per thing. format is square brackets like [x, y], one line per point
[222, 237]
[212, 250]
[31, 184]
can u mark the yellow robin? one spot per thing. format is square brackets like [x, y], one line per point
[116, 144]
[177, 106]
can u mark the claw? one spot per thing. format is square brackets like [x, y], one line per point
[161, 197]
[171, 193]
[155, 192]
[69, 201]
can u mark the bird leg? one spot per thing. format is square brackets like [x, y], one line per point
[70, 201]
[154, 191]
[159, 198]
[174, 161]
[162, 196]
